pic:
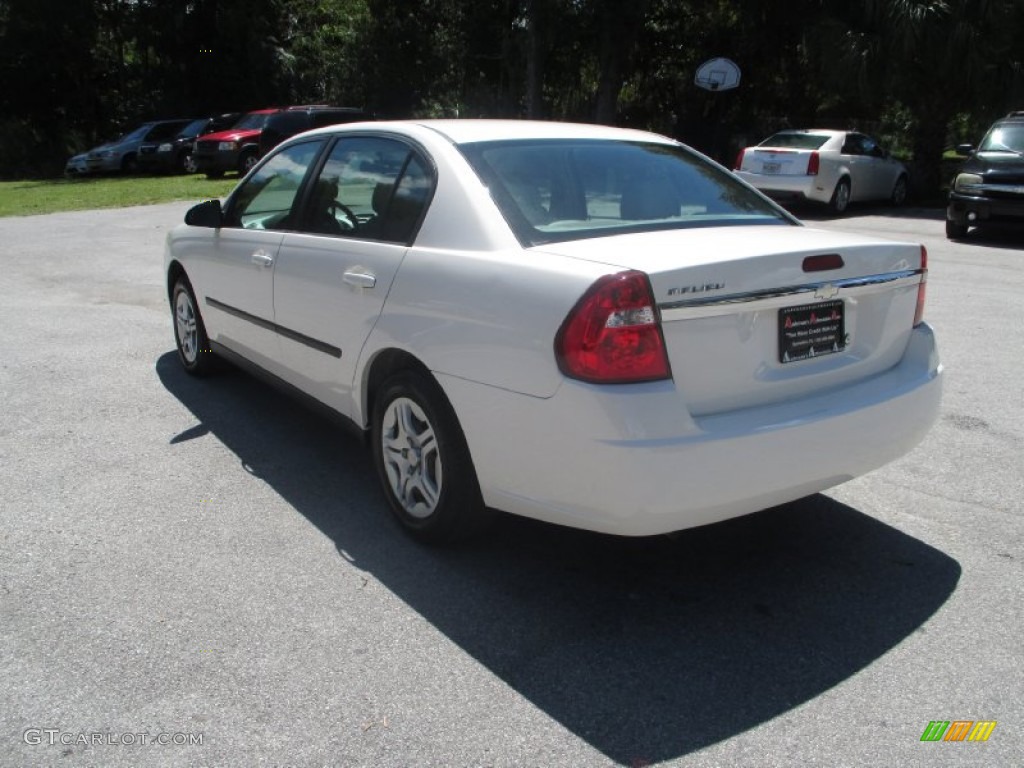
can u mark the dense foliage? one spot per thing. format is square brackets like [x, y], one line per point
[922, 74]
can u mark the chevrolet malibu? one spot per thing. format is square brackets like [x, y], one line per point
[585, 325]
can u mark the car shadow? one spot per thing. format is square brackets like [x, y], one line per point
[648, 649]
[1001, 235]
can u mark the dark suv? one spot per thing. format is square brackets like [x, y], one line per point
[298, 119]
[990, 185]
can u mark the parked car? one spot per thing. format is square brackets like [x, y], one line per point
[121, 155]
[239, 148]
[824, 166]
[989, 187]
[174, 154]
[295, 120]
[587, 325]
[76, 165]
[235, 149]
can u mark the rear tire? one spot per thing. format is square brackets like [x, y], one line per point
[841, 197]
[899, 191]
[189, 331]
[423, 462]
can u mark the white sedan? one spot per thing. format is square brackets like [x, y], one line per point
[586, 325]
[831, 167]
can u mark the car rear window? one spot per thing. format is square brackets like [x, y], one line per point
[569, 190]
[796, 140]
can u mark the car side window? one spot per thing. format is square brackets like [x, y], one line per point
[370, 188]
[871, 148]
[267, 198]
[852, 145]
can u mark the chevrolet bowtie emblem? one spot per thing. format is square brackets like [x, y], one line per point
[826, 291]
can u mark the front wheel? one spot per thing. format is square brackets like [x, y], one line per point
[249, 159]
[423, 462]
[189, 332]
[841, 197]
[955, 230]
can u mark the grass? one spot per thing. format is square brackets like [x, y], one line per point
[28, 198]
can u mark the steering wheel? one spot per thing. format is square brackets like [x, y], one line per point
[352, 222]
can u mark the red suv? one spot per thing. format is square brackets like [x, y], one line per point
[236, 149]
[239, 148]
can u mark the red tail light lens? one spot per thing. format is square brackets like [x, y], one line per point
[922, 288]
[613, 334]
[739, 160]
[813, 164]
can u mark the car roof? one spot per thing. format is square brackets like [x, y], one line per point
[472, 130]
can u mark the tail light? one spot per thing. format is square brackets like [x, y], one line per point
[613, 334]
[739, 160]
[813, 164]
[922, 288]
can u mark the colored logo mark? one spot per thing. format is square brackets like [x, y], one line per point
[958, 730]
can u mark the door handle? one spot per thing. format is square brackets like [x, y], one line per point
[262, 259]
[360, 279]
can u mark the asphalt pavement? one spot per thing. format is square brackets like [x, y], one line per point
[204, 573]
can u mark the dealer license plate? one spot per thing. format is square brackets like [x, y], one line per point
[812, 330]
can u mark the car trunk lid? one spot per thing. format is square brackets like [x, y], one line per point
[753, 315]
[777, 162]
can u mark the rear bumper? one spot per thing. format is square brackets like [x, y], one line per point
[630, 460]
[788, 188]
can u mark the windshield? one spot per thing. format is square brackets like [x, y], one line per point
[135, 135]
[569, 190]
[1008, 137]
[193, 128]
[254, 121]
[796, 140]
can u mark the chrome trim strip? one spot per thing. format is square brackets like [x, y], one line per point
[753, 301]
[301, 338]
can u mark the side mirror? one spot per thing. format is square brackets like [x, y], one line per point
[964, 149]
[208, 214]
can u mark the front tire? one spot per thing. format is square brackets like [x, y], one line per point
[247, 162]
[423, 461]
[189, 331]
[841, 197]
[955, 230]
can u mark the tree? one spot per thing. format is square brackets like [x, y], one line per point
[937, 58]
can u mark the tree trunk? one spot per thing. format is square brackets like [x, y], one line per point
[619, 26]
[535, 32]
